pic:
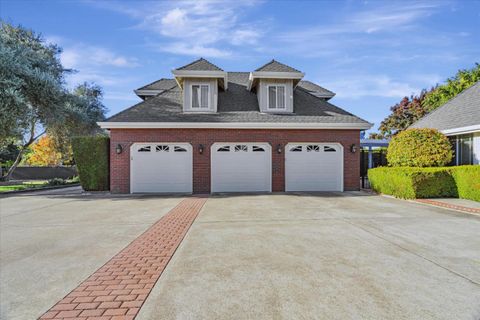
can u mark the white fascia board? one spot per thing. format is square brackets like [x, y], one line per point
[231, 125]
[272, 75]
[200, 74]
[461, 130]
[147, 92]
[276, 75]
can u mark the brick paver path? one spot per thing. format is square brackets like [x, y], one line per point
[120, 287]
[449, 205]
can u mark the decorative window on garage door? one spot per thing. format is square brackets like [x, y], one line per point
[329, 149]
[224, 149]
[296, 149]
[240, 148]
[145, 149]
[313, 148]
[162, 148]
[258, 149]
[179, 149]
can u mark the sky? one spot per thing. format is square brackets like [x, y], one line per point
[370, 53]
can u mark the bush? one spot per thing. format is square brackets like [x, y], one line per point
[419, 148]
[91, 154]
[56, 182]
[412, 183]
[467, 179]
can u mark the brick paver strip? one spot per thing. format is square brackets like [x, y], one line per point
[120, 287]
[448, 205]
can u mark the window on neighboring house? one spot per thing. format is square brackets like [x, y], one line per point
[200, 93]
[276, 97]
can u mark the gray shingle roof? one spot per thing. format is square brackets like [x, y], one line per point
[237, 104]
[200, 65]
[315, 89]
[275, 66]
[162, 84]
[461, 111]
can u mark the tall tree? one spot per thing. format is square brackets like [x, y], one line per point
[33, 96]
[410, 109]
[44, 153]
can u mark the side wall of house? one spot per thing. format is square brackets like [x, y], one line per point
[120, 163]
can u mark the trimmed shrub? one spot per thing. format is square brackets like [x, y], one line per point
[412, 183]
[419, 148]
[91, 154]
[467, 179]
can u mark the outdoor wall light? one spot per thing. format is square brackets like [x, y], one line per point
[353, 148]
[279, 148]
[119, 149]
[200, 149]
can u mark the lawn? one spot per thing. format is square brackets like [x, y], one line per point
[34, 185]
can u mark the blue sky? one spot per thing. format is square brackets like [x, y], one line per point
[371, 53]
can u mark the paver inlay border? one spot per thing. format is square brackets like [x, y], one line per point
[118, 289]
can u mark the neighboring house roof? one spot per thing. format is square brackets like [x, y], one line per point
[200, 65]
[162, 84]
[275, 66]
[461, 111]
[237, 105]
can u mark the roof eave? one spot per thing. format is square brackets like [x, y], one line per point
[182, 74]
[233, 125]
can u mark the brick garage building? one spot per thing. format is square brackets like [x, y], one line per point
[209, 130]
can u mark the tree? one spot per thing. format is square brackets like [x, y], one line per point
[44, 153]
[404, 114]
[33, 96]
[464, 79]
[411, 109]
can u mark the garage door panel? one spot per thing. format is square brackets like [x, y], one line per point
[161, 168]
[241, 167]
[314, 167]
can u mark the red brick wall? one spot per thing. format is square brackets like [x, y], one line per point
[120, 163]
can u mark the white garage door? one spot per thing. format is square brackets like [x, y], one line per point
[161, 167]
[241, 167]
[314, 167]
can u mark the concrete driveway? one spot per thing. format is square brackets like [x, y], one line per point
[51, 241]
[320, 256]
[331, 256]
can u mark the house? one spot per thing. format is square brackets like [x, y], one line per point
[208, 130]
[459, 119]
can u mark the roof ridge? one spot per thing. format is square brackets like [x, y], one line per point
[278, 62]
[196, 61]
[428, 115]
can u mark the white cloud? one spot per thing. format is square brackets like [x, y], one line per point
[358, 86]
[80, 55]
[194, 28]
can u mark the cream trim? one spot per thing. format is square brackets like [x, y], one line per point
[231, 125]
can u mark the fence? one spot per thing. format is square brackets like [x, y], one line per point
[43, 173]
[379, 158]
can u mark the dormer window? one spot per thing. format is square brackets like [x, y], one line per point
[276, 97]
[200, 96]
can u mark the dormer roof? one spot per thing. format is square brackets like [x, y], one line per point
[201, 68]
[274, 70]
[200, 65]
[275, 66]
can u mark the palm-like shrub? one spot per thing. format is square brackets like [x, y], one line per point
[419, 148]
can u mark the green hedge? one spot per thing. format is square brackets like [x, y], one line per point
[91, 154]
[467, 179]
[411, 183]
